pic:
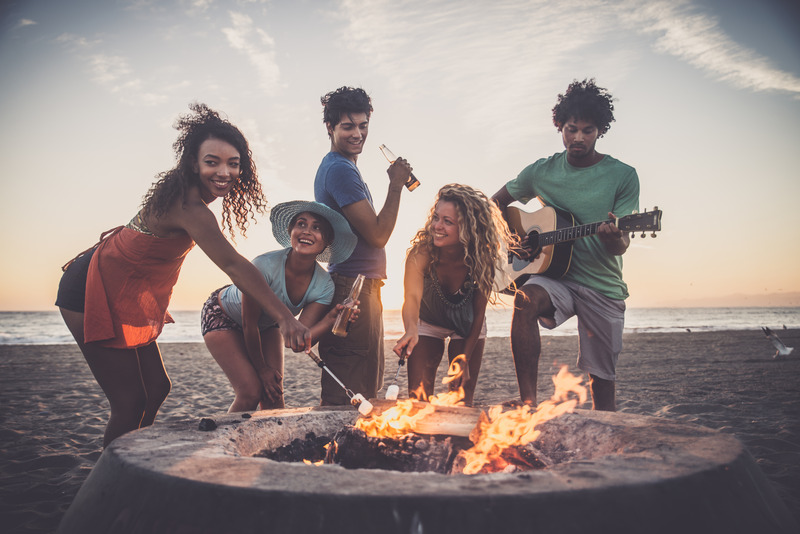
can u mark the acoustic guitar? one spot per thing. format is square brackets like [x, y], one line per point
[555, 231]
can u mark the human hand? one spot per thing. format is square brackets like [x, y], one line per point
[272, 383]
[608, 231]
[334, 312]
[615, 240]
[399, 172]
[406, 344]
[529, 248]
[295, 335]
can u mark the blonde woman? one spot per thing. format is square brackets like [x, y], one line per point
[449, 274]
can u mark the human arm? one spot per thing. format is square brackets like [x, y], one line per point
[524, 250]
[615, 240]
[413, 282]
[194, 217]
[268, 372]
[626, 201]
[503, 198]
[376, 228]
[319, 318]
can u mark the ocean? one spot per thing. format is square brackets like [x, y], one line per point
[39, 328]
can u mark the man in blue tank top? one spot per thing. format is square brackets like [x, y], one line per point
[593, 187]
[357, 359]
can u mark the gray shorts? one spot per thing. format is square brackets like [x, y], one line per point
[600, 323]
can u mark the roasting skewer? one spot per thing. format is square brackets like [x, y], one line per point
[393, 390]
[356, 399]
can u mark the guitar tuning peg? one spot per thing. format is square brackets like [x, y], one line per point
[643, 235]
[653, 235]
[633, 235]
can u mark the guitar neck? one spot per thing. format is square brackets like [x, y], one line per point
[569, 234]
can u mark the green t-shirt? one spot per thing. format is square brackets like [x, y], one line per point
[589, 193]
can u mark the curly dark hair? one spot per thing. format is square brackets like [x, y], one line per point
[245, 199]
[585, 101]
[344, 100]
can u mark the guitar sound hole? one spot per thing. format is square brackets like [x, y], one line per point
[532, 243]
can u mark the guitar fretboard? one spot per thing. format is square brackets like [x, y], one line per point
[569, 234]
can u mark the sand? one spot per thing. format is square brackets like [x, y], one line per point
[53, 412]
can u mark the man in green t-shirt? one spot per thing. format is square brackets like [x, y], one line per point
[592, 187]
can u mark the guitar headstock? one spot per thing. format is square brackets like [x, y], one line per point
[641, 222]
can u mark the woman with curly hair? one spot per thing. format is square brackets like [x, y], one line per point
[114, 296]
[449, 277]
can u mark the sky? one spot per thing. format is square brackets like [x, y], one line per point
[707, 107]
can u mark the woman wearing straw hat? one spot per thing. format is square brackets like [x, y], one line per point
[244, 341]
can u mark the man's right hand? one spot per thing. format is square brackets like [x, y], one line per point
[399, 172]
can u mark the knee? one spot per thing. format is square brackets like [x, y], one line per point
[250, 394]
[159, 392]
[132, 406]
[528, 302]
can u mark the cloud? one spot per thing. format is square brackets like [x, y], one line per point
[25, 22]
[504, 61]
[258, 47]
[697, 39]
[498, 59]
[76, 41]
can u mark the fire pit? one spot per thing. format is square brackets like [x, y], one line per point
[625, 473]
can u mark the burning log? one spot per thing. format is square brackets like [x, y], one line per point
[408, 453]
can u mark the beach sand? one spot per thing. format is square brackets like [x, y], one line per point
[53, 412]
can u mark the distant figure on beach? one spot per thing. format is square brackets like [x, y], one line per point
[449, 274]
[246, 342]
[357, 360]
[592, 186]
[114, 296]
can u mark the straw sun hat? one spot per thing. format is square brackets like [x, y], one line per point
[344, 240]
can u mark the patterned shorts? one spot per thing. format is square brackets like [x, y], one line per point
[214, 317]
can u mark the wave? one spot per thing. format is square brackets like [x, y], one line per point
[40, 328]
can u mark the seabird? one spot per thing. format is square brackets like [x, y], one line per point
[783, 350]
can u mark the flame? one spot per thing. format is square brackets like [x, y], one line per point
[497, 430]
[455, 396]
[402, 418]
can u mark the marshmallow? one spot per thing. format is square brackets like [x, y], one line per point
[364, 406]
[392, 392]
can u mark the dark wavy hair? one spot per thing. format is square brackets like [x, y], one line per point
[585, 101]
[245, 199]
[344, 100]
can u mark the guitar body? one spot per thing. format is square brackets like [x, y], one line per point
[554, 260]
[554, 231]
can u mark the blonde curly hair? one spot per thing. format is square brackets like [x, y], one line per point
[482, 232]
